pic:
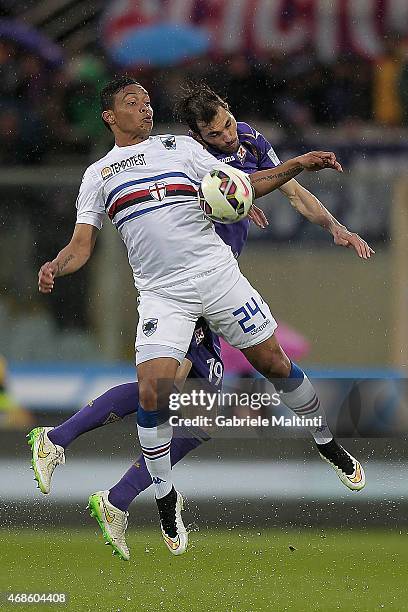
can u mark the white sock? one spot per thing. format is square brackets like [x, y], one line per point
[303, 401]
[155, 443]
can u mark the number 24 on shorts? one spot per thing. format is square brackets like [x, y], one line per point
[248, 310]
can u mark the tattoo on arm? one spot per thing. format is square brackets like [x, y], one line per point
[61, 266]
[288, 173]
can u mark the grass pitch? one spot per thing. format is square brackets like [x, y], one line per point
[223, 571]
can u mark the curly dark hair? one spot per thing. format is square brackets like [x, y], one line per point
[198, 102]
[111, 89]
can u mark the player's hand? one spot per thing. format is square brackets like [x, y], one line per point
[318, 160]
[258, 217]
[46, 277]
[343, 237]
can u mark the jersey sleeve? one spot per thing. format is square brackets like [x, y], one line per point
[90, 205]
[267, 155]
[202, 162]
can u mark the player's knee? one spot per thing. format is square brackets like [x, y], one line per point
[275, 365]
[148, 395]
[154, 395]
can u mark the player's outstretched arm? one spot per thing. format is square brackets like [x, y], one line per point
[266, 181]
[70, 259]
[310, 207]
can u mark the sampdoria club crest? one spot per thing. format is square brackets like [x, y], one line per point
[168, 142]
[149, 326]
[158, 191]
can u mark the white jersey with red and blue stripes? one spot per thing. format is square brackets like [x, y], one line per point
[148, 190]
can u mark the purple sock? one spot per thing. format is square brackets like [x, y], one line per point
[113, 405]
[137, 478]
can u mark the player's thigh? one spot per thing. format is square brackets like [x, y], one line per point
[241, 316]
[163, 322]
[163, 335]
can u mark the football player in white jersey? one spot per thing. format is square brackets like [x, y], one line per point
[182, 269]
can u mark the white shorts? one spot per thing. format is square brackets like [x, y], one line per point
[224, 297]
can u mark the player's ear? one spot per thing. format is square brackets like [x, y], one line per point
[108, 117]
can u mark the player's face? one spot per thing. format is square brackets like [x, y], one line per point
[132, 111]
[221, 133]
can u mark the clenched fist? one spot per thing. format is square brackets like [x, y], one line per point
[317, 160]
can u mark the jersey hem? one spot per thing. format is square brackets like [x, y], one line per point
[180, 281]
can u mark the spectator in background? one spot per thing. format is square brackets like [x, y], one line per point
[22, 86]
[12, 416]
[22, 135]
[347, 91]
[239, 81]
[362, 88]
[8, 69]
[337, 93]
[300, 104]
[271, 85]
[81, 101]
[386, 101]
[31, 85]
[292, 91]
[312, 92]
[10, 127]
[163, 105]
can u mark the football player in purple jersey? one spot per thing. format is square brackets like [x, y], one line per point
[241, 146]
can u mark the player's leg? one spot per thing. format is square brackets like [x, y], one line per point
[156, 378]
[298, 394]
[113, 405]
[137, 479]
[48, 444]
[156, 374]
[203, 361]
[111, 519]
[241, 316]
[110, 508]
[154, 429]
[166, 324]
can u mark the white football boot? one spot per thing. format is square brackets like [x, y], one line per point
[347, 468]
[45, 456]
[112, 521]
[174, 533]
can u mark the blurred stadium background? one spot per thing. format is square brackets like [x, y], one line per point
[309, 74]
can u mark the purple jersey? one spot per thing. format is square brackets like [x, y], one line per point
[254, 153]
